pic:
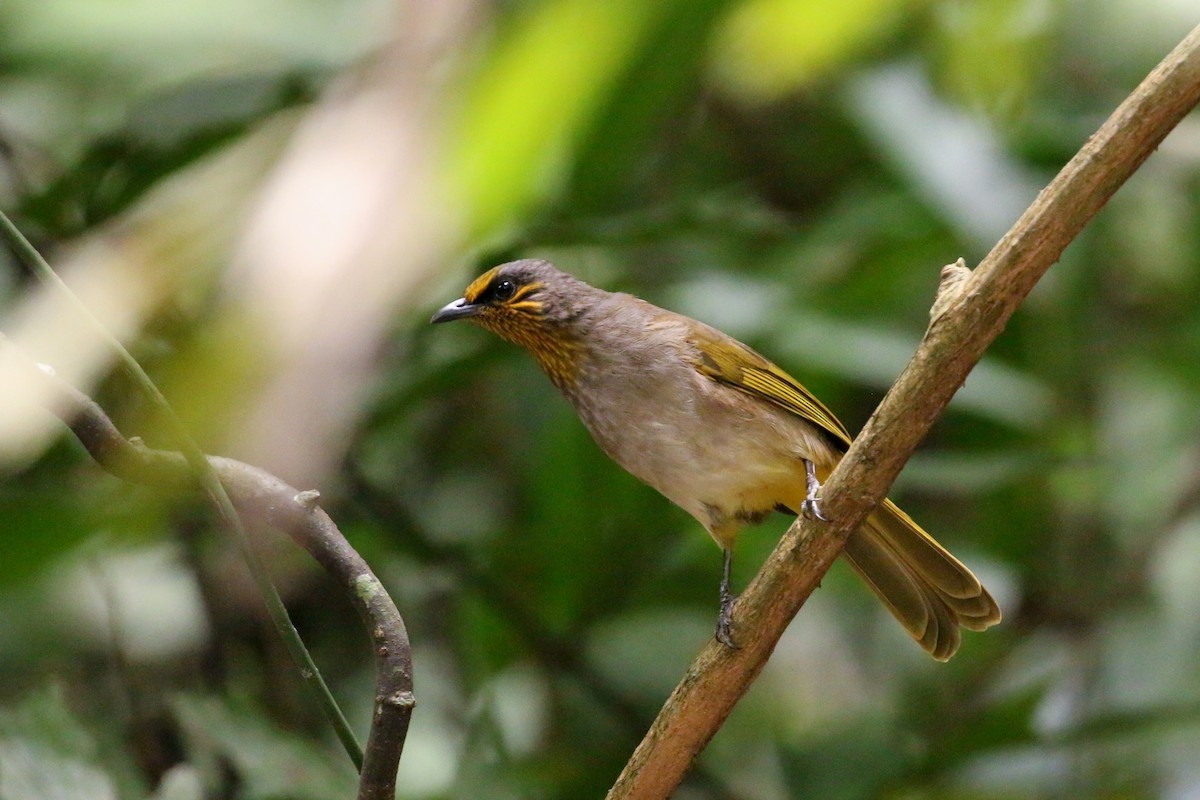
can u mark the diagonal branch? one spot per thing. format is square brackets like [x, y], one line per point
[263, 499]
[970, 313]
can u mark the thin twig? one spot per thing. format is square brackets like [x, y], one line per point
[972, 313]
[263, 499]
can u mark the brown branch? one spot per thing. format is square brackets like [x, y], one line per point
[263, 499]
[970, 313]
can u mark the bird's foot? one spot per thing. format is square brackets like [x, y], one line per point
[811, 507]
[724, 632]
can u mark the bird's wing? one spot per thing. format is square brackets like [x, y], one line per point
[728, 361]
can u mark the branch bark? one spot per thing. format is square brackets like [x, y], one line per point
[263, 499]
[970, 313]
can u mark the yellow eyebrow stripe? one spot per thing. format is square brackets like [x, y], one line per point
[479, 285]
[524, 290]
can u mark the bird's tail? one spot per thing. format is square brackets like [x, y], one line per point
[926, 588]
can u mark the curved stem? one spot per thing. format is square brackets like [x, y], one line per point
[209, 481]
[261, 498]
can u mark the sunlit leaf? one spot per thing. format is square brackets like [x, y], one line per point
[770, 47]
[532, 97]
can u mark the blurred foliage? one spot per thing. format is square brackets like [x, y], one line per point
[794, 172]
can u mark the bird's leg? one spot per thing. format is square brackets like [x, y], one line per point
[724, 623]
[811, 507]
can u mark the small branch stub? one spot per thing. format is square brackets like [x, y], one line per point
[954, 280]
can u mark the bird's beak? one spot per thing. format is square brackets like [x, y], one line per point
[459, 309]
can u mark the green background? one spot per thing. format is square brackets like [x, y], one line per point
[793, 172]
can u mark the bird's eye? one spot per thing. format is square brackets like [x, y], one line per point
[504, 290]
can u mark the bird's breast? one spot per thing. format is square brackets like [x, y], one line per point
[722, 455]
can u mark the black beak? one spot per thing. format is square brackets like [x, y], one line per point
[459, 309]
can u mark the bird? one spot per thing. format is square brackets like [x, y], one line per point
[719, 430]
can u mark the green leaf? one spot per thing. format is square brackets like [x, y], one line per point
[269, 762]
[47, 754]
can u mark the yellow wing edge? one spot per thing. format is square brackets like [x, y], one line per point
[732, 363]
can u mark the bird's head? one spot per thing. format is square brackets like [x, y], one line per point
[533, 304]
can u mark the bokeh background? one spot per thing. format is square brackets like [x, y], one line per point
[266, 200]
